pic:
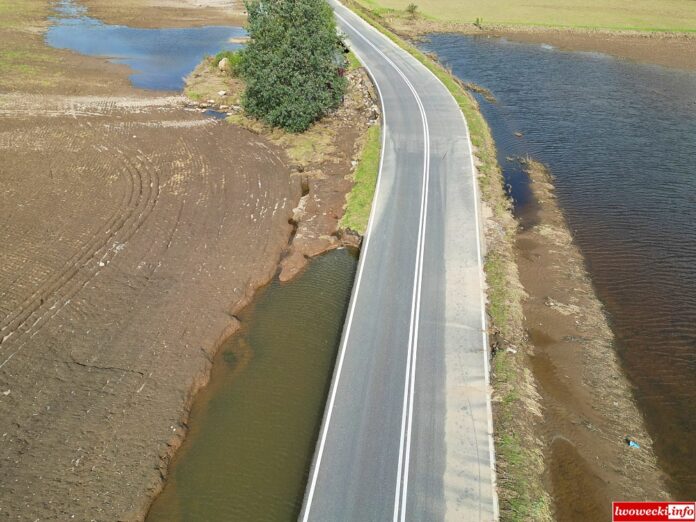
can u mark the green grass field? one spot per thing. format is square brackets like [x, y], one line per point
[642, 15]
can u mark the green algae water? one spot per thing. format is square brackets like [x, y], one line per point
[254, 428]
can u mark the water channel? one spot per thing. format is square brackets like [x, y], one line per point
[620, 139]
[254, 428]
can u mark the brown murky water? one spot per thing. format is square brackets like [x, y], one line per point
[253, 429]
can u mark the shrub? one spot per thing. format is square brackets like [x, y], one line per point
[235, 58]
[293, 62]
[411, 9]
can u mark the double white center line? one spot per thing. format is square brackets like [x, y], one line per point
[410, 380]
[401, 488]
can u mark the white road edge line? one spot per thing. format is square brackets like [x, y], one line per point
[482, 286]
[409, 379]
[417, 278]
[354, 299]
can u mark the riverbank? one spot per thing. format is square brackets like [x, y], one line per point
[132, 240]
[670, 48]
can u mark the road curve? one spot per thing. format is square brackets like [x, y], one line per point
[407, 428]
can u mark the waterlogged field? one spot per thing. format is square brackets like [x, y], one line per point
[667, 15]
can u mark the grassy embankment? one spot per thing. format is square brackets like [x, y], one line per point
[23, 55]
[519, 460]
[613, 15]
[359, 200]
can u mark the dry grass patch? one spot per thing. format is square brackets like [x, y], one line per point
[642, 15]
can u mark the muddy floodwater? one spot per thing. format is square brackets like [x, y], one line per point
[254, 428]
[620, 139]
[161, 58]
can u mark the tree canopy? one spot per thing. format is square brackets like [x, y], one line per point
[292, 64]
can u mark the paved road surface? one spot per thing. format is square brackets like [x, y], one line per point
[406, 432]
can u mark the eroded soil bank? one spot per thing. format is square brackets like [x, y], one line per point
[133, 231]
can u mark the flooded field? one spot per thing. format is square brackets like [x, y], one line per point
[161, 58]
[620, 140]
[254, 428]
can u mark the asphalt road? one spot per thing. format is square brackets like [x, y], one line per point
[407, 427]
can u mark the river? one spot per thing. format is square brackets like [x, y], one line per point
[620, 139]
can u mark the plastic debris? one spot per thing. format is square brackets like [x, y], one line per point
[632, 443]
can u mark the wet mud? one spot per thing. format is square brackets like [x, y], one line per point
[588, 407]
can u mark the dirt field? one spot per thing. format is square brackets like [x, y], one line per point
[128, 232]
[134, 229]
[167, 13]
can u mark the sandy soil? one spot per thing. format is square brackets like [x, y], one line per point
[588, 409]
[134, 228]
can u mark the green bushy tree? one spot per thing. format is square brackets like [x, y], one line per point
[291, 63]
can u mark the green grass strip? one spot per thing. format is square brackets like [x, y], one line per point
[359, 201]
[521, 493]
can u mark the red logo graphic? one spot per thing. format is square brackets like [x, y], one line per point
[653, 511]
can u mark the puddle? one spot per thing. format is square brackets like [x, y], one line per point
[161, 58]
[218, 115]
[253, 429]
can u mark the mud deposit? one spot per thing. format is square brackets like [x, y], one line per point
[671, 50]
[589, 409]
[254, 428]
[617, 137]
[133, 230]
[129, 229]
